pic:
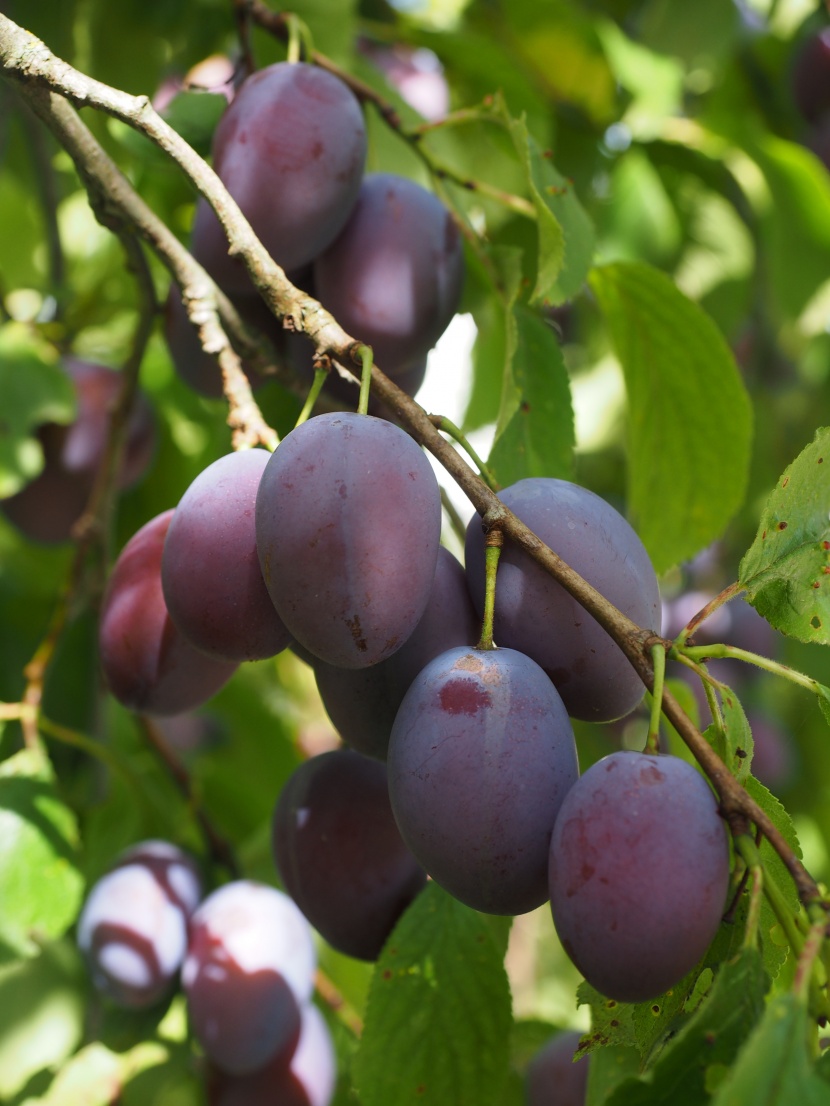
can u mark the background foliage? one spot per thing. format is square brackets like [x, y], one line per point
[658, 332]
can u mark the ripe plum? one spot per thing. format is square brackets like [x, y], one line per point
[210, 572]
[639, 872]
[291, 150]
[393, 277]
[249, 968]
[339, 852]
[133, 927]
[148, 664]
[552, 1078]
[535, 614]
[48, 507]
[481, 756]
[307, 1079]
[348, 521]
[362, 703]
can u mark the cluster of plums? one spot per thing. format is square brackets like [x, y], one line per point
[380, 252]
[245, 958]
[459, 762]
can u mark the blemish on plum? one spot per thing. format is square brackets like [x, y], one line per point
[357, 633]
[650, 775]
[463, 697]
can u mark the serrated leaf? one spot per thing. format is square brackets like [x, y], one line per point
[535, 434]
[438, 1018]
[33, 390]
[40, 886]
[786, 570]
[565, 234]
[774, 953]
[774, 1068]
[690, 424]
[711, 1036]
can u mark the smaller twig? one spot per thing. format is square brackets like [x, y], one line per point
[441, 422]
[456, 521]
[218, 847]
[333, 998]
[755, 873]
[658, 657]
[809, 958]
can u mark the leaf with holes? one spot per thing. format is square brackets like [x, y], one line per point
[786, 571]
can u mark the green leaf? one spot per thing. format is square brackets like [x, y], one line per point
[42, 1004]
[739, 743]
[690, 423]
[438, 1018]
[712, 1036]
[795, 222]
[774, 1069]
[786, 570]
[40, 887]
[565, 234]
[33, 390]
[195, 115]
[535, 433]
[773, 944]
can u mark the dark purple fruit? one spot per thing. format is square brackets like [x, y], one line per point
[339, 852]
[348, 521]
[639, 872]
[481, 756]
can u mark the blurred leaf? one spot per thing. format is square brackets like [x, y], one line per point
[690, 419]
[641, 223]
[41, 1013]
[565, 233]
[195, 115]
[774, 1069]
[795, 222]
[34, 390]
[535, 434]
[332, 24]
[695, 33]
[439, 979]
[787, 568]
[91, 1078]
[40, 886]
[654, 80]
[609, 1067]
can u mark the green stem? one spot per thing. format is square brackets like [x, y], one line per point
[809, 959]
[658, 658]
[756, 889]
[320, 376]
[367, 357]
[94, 749]
[773, 893]
[493, 542]
[717, 652]
[295, 39]
[441, 422]
[456, 521]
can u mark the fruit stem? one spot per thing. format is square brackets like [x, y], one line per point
[320, 376]
[772, 892]
[441, 422]
[299, 39]
[658, 657]
[493, 541]
[367, 357]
